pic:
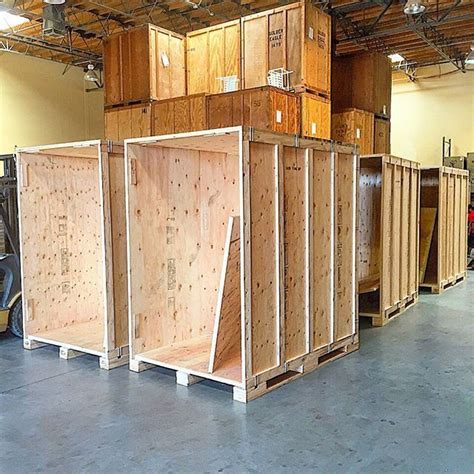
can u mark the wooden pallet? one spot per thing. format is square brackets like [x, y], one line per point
[381, 319]
[268, 381]
[444, 285]
[309, 90]
[107, 361]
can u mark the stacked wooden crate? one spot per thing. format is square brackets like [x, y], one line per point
[362, 88]
[141, 65]
[231, 59]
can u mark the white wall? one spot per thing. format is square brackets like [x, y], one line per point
[426, 110]
[41, 105]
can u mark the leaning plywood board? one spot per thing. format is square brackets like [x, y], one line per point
[447, 190]
[388, 236]
[427, 226]
[257, 233]
[73, 248]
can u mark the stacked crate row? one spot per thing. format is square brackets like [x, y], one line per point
[361, 101]
[217, 76]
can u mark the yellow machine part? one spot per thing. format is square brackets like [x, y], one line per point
[5, 312]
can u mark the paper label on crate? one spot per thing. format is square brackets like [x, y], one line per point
[313, 128]
[278, 116]
[385, 110]
[310, 33]
[165, 60]
[357, 132]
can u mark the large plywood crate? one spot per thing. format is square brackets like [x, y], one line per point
[362, 81]
[354, 126]
[128, 122]
[182, 114]
[265, 108]
[211, 54]
[254, 283]
[388, 236]
[295, 37]
[142, 64]
[73, 249]
[443, 224]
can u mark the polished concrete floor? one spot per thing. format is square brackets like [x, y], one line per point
[403, 403]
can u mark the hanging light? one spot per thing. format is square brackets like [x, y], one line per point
[55, 2]
[90, 75]
[470, 56]
[413, 7]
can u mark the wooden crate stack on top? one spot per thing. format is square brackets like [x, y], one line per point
[223, 59]
[361, 91]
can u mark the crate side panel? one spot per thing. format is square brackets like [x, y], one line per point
[113, 70]
[137, 72]
[197, 62]
[381, 136]
[177, 69]
[321, 251]
[264, 269]
[316, 117]
[370, 221]
[414, 232]
[61, 242]
[216, 41]
[345, 292]
[255, 44]
[404, 232]
[180, 204]
[119, 247]
[295, 229]
[395, 276]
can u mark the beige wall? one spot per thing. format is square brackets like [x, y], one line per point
[39, 105]
[426, 110]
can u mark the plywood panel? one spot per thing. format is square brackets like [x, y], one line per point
[346, 207]
[176, 289]
[322, 250]
[381, 136]
[315, 117]
[61, 241]
[264, 268]
[295, 244]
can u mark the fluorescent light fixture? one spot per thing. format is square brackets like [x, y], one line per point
[470, 56]
[55, 2]
[396, 58]
[8, 20]
[413, 7]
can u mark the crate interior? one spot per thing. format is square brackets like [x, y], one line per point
[429, 199]
[62, 249]
[370, 221]
[184, 230]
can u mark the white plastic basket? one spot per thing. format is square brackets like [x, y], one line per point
[229, 83]
[279, 78]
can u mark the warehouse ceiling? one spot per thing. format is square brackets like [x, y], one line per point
[442, 34]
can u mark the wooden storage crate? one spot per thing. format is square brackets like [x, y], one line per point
[443, 224]
[182, 114]
[354, 126]
[381, 136]
[128, 122]
[362, 81]
[265, 108]
[142, 64]
[73, 249]
[212, 53]
[388, 236]
[254, 282]
[315, 116]
[294, 37]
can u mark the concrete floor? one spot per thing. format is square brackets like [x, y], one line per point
[403, 403]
